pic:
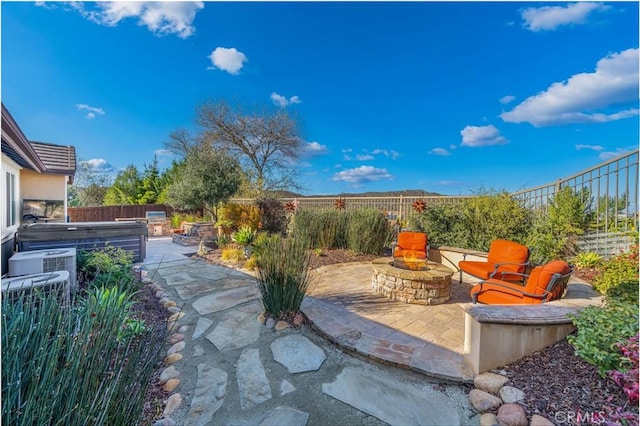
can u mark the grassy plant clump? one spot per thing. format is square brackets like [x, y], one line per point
[80, 365]
[283, 275]
[599, 329]
[325, 228]
[368, 232]
[618, 277]
[232, 254]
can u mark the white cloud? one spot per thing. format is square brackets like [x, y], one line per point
[506, 99]
[615, 81]
[387, 153]
[477, 136]
[99, 165]
[364, 157]
[362, 174]
[592, 147]
[313, 149]
[92, 111]
[440, 151]
[552, 17]
[282, 101]
[608, 155]
[230, 60]
[159, 17]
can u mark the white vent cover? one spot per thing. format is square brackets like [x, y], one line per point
[41, 261]
[48, 282]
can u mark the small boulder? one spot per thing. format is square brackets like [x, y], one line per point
[262, 318]
[488, 419]
[172, 359]
[509, 394]
[176, 316]
[170, 303]
[537, 420]
[483, 401]
[281, 325]
[175, 338]
[512, 415]
[490, 382]
[173, 403]
[270, 323]
[298, 319]
[168, 374]
[176, 348]
[173, 309]
[165, 422]
[171, 385]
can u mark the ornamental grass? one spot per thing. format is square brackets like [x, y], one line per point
[283, 274]
[75, 365]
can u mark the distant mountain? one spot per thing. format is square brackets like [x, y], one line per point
[404, 193]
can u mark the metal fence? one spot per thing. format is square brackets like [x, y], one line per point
[393, 207]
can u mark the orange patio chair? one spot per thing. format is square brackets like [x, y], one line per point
[412, 244]
[546, 283]
[507, 260]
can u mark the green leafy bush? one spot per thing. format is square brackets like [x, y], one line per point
[618, 277]
[108, 266]
[598, 331]
[283, 275]
[555, 234]
[443, 223]
[327, 228]
[69, 365]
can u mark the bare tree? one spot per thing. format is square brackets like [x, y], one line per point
[267, 143]
[180, 142]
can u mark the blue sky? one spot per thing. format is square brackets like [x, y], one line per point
[445, 97]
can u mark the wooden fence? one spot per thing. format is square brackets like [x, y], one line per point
[111, 213]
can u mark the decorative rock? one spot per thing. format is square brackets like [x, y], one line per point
[297, 353]
[173, 403]
[509, 394]
[146, 280]
[171, 326]
[175, 338]
[225, 299]
[170, 303]
[298, 319]
[182, 329]
[236, 330]
[537, 420]
[483, 401]
[262, 318]
[208, 395]
[176, 348]
[173, 309]
[490, 382]
[163, 300]
[488, 419]
[285, 416]
[512, 415]
[286, 387]
[253, 384]
[270, 323]
[168, 374]
[281, 325]
[202, 326]
[172, 359]
[171, 385]
[164, 422]
[176, 316]
[160, 294]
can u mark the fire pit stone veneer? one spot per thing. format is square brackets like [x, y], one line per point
[422, 287]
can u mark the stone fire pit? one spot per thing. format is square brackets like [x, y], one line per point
[418, 282]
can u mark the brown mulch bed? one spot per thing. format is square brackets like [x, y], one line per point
[555, 381]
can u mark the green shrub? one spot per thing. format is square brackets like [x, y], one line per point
[618, 277]
[239, 215]
[108, 266]
[368, 231]
[599, 329]
[178, 218]
[283, 275]
[555, 233]
[585, 260]
[326, 228]
[443, 223]
[492, 216]
[75, 365]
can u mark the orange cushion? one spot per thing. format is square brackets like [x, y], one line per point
[504, 251]
[477, 268]
[503, 294]
[541, 276]
[412, 241]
